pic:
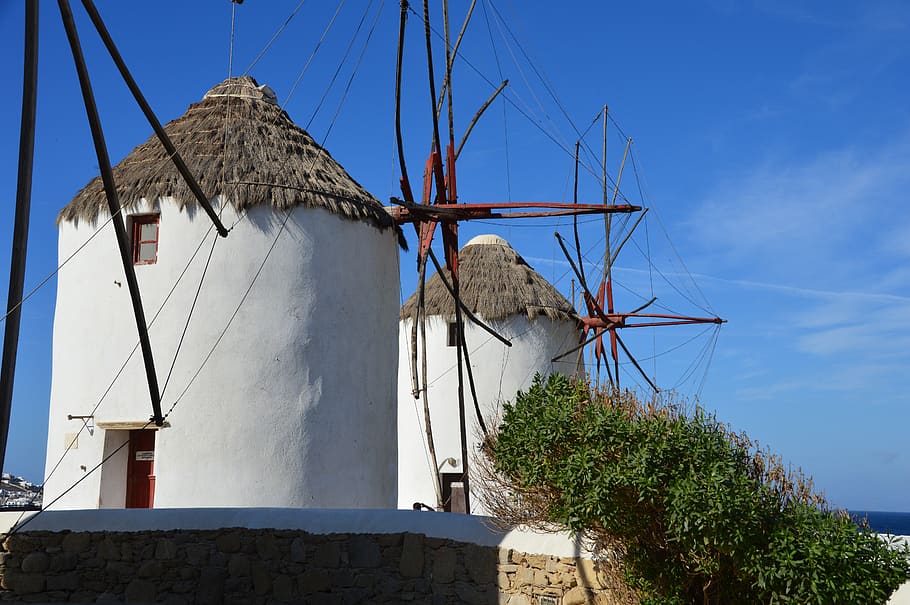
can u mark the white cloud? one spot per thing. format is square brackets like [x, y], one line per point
[828, 213]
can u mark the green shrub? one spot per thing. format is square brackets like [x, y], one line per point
[695, 512]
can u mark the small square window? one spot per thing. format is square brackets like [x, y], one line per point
[145, 239]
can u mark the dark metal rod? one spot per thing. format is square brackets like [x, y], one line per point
[477, 115]
[597, 334]
[644, 306]
[426, 26]
[635, 363]
[628, 235]
[113, 202]
[578, 274]
[467, 364]
[462, 424]
[467, 311]
[451, 59]
[581, 266]
[152, 118]
[20, 224]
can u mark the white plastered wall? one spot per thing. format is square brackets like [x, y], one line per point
[499, 372]
[296, 404]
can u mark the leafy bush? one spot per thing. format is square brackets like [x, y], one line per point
[695, 512]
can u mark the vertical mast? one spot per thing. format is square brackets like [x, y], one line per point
[20, 226]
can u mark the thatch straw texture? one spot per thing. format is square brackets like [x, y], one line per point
[496, 283]
[241, 145]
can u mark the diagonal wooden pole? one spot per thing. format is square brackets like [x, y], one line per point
[113, 202]
[20, 225]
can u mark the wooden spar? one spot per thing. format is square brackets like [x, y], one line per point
[404, 212]
[20, 222]
[113, 202]
[450, 61]
[477, 115]
[404, 183]
[152, 118]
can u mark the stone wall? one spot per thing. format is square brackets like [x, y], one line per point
[251, 566]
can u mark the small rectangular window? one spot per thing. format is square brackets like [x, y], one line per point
[453, 334]
[145, 239]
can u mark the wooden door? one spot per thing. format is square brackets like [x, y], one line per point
[140, 470]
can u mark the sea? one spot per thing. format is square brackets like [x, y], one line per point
[896, 524]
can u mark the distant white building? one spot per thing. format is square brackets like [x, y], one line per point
[498, 286]
[284, 388]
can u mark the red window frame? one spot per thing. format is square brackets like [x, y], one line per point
[138, 221]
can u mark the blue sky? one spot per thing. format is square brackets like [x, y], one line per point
[771, 140]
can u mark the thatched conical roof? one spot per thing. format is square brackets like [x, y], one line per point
[496, 283]
[240, 144]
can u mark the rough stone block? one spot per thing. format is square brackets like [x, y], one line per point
[76, 542]
[140, 591]
[444, 566]
[239, 565]
[165, 549]
[502, 581]
[388, 585]
[68, 581]
[267, 547]
[524, 577]
[510, 568]
[24, 583]
[262, 579]
[363, 551]
[576, 596]
[211, 586]
[109, 550]
[237, 586]
[283, 588]
[127, 552]
[481, 563]
[82, 596]
[540, 578]
[411, 563]
[19, 544]
[504, 555]
[150, 569]
[298, 550]
[197, 554]
[388, 540]
[328, 554]
[472, 594]
[329, 598]
[228, 543]
[343, 578]
[36, 562]
[314, 580]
